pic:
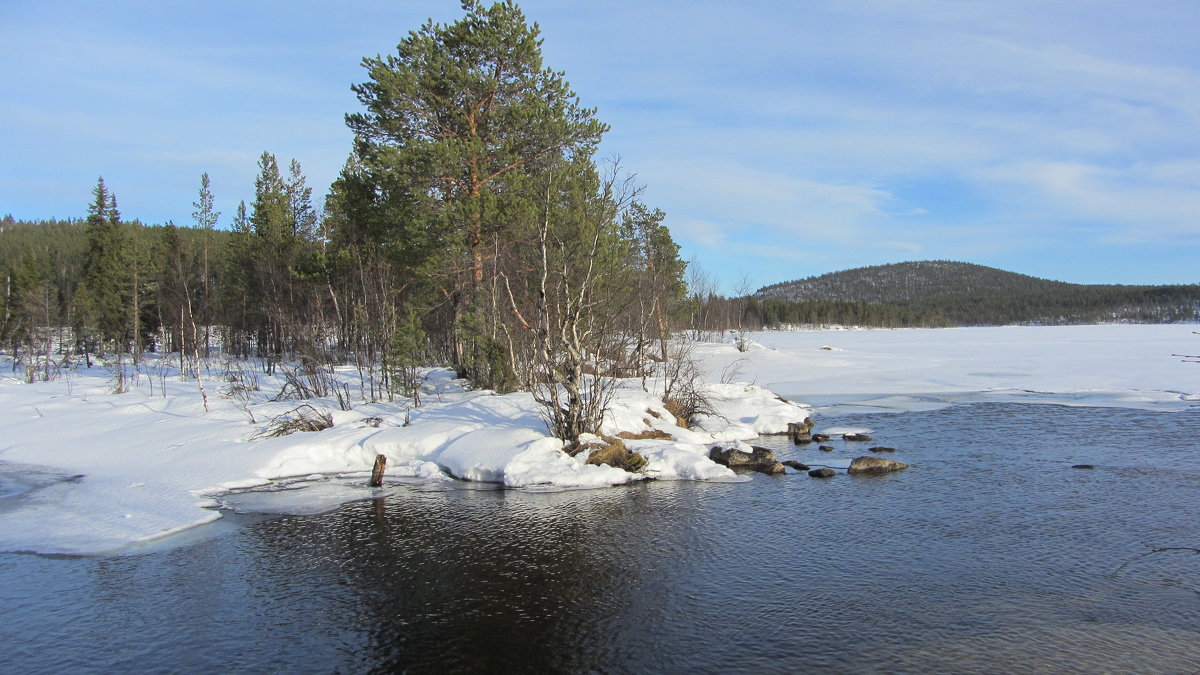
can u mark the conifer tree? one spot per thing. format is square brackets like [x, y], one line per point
[303, 217]
[454, 123]
[104, 270]
[473, 178]
[238, 268]
[206, 220]
[274, 232]
[20, 285]
[282, 307]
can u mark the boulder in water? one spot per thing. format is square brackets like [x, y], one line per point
[759, 459]
[867, 465]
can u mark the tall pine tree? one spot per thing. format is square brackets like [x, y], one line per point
[454, 122]
[104, 306]
[206, 220]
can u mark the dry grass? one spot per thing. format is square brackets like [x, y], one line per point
[303, 418]
[613, 453]
[647, 435]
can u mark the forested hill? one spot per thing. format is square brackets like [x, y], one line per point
[956, 293]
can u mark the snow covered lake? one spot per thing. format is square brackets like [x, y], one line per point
[990, 554]
[911, 369]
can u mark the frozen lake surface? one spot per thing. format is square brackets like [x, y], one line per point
[991, 554]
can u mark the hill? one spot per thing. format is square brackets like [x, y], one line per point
[956, 293]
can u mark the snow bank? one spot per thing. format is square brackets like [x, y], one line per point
[85, 471]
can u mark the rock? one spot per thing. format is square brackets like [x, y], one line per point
[881, 448]
[1083, 466]
[823, 472]
[825, 448]
[794, 464]
[873, 465]
[759, 459]
[801, 432]
[855, 437]
[820, 438]
[730, 457]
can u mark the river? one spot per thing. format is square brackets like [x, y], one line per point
[990, 554]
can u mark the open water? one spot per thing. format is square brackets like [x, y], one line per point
[991, 554]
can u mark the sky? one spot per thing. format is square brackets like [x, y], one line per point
[784, 139]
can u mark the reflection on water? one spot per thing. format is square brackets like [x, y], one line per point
[991, 554]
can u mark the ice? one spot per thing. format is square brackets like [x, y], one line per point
[838, 431]
[914, 369]
[298, 499]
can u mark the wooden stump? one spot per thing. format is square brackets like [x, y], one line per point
[377, 471]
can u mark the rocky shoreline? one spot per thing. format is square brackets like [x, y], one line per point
[764, 460]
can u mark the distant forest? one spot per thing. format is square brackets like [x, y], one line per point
[945, 293]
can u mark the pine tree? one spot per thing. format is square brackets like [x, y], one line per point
[473, 177]
[271, 213]
[274, 232]
[206, 219]
[455, 124]
[658, 275]
[105, 274]
[303, 217]
[237, 272]
[283, 308]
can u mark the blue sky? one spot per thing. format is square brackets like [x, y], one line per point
[783, 139]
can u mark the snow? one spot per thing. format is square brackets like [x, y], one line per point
[85, 471]
[839, 431]
[920, 369]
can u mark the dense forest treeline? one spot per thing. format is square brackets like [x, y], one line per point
[945, 293]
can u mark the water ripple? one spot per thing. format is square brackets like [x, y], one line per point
[991, 554]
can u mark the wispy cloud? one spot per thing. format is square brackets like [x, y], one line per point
[1140, 202]
[786, 138]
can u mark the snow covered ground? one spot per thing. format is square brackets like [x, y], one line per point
[853, 371]
[85, 471]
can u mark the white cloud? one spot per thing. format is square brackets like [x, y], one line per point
[1141, 202]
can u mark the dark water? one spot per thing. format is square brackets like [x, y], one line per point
[990, 555]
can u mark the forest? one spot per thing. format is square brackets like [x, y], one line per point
[947, 293]
[471, 225]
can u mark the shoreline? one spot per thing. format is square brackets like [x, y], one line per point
[154, 464]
